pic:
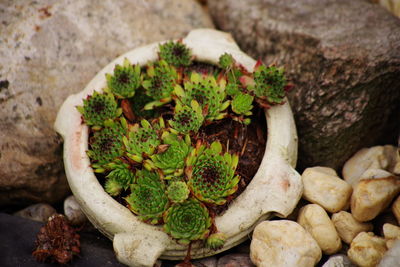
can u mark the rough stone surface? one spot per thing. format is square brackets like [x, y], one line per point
[325, 188]
[391, 233]
[348, 227]
[367, 250]
[73, 211]
[37, 212]
[344, 58]
[396, 209]
[235, 260]
[338, 261]
[367, 161]
[371, 196]
[52, 49]
[392, 256]
[283, 243]
[206, 262]
[316, 221]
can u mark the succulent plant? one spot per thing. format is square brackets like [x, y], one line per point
[125, 80]
[177, 191]
[187, 118]
[187, 221]
[142, 140]
[211, 174]
[98, 108]
[121, 173]
[138, 101]
[207, 92]
[113, 187]
[148, 198]
[160, 83]
[267, 83]
[226, 61]
[106, 145]
[216, 240]
[171, 160]
[242, 105]
[175, 53]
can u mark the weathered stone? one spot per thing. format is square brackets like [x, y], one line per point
[73, 211]
[317, 222]
[347, 79]
[235, 260]
[325, 189]
[338, 261]
[396, 209]
[361, 164]
[283, 243]
[391, 233]
[206, 262]
[392, 256]
[371, 196]
[348, 227]
[52, 49]
[366, 250]
[37, 212]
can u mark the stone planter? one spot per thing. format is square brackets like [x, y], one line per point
[274, 190]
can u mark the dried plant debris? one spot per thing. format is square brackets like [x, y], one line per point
[176, 140]
[57, 241]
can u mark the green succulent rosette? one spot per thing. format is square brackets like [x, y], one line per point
[171, 160]
[187, 221]
[187, 119]
[99, 108]
[216, 240]
[211, 173]
[177, 191]
[175, 53]
[206, 91]
[160, 82]
[148, 199]
[121, 173]
[106, 145]
[113, 187]
[125, 80]
[269, 83]
[142, 140]
[226, 61]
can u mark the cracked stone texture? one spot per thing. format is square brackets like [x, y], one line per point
[344, 59]
[51, 49]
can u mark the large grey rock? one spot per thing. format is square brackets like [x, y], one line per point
[50, 49]
[344, 59]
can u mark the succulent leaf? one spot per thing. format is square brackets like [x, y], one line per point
[242, 104]
[98, 108]
[187, 118]
[270, 83]
[172, 160]
[207, 92]
[160, 83]
[175, 53]
[226, 61]
[122, 174]
[187, 221]
[106, 145]
[216, 240]
[142, 140]
[125, 80]
[177, 191]
[211, 174]
[113, 187]
[138, 102]
[148, 198]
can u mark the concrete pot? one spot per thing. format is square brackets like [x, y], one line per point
[275, 189]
